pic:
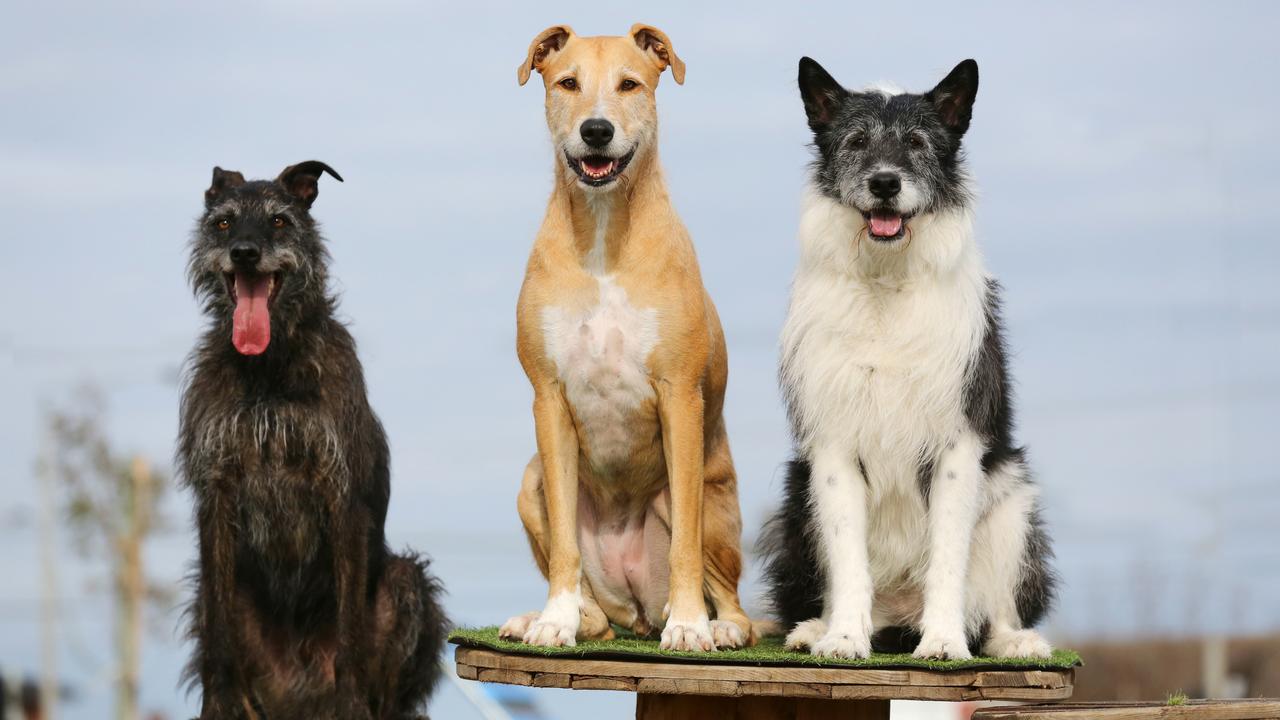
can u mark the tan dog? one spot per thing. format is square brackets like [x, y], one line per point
[631, 502]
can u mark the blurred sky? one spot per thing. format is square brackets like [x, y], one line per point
[1125, 155]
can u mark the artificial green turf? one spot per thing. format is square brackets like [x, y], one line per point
[768, 651]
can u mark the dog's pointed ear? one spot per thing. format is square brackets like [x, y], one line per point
[953, 97]
[657, 46]
[548, 41]
[821, 93]
[302, 180]
[222, 180]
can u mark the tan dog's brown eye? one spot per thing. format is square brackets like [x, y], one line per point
[628, 84]
[278, 221]
[223, 224]
[569, 84]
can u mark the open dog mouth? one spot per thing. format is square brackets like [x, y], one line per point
[252, 294]
[597, 170]
[886, 225]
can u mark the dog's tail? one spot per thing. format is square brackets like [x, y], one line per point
[794, 578]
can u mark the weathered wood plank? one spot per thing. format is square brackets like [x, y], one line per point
[1261, 709]
[669, 686]
[466, 672]
[551, 680]
[508, 677]
[603, 683]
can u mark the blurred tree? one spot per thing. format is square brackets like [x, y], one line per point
[112, 506]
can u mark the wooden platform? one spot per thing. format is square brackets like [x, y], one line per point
[690, 690]
[1262, 709]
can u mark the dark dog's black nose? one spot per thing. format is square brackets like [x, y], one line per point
[245, 254]
[884, 185]
[596, 132]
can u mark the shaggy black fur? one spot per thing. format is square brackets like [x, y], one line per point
[300, 609]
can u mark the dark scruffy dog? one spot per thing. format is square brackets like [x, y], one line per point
[300, 609]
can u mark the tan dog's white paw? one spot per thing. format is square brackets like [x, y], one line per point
[805, 634]
[551, 634]
[726, 635]
[1018, 644]
[515, 628]
[846, 646]
[692, 635]
[939, 646]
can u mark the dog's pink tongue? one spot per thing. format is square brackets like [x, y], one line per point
[885, 225]
[251, 323]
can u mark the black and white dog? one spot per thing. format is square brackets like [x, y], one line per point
[910, 515]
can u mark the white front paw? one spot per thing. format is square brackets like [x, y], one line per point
[842, 645]
[726, 634]
[693, 635]
[805, 635]
[943, 646]
[1018, 644]
[549, 633]
[515, 628]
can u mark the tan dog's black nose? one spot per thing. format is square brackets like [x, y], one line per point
[596, 132]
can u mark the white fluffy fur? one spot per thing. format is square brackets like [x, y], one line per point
[876, 348]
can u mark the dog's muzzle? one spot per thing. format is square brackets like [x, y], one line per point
[598, 170]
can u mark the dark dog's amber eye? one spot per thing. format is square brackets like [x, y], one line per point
[628, 84]
[223, 224]
[569, 84]
[278, 221]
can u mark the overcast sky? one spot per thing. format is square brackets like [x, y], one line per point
[1125, 155]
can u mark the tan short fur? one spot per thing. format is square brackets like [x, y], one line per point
[665, 462]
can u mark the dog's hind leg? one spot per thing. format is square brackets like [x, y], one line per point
[531, 503]
[1009, 580]
[722, 552]
[411, 628]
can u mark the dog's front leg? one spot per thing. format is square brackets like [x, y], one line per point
[838, 495]
[350, 523]
[224, 693]
[558, 447]
[680, 408]
[953, 513]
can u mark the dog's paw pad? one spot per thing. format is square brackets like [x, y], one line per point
[845, 646]
[942, 647]
[690, 635]
[726, 634]
[1018, 644]
[515, 628]
[805, 634]
[551, 634]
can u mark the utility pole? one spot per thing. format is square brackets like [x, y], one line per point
[48, 584]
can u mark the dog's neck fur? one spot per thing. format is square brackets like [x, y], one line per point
[603, 222]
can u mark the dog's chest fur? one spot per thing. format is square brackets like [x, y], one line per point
[275, 455]
[600, 355]
[878, 345]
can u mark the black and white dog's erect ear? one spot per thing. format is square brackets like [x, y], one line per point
[821, 93]
[302, 180]
[953, 97]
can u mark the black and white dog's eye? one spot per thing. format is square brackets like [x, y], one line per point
[916, 142]
[858, 141]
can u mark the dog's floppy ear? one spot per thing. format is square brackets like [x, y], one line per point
[548, 41]
[302, 180]
[953, 97]
[222, 179]
[657, 46]
[821, 93]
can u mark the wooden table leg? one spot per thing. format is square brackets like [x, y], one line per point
[704, 707]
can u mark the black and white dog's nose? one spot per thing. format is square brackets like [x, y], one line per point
[245, 254]
[884, 185]
[596, 132]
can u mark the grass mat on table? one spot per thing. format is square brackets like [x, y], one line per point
[768, 651]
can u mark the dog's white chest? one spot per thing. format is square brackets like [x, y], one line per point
[600, 355]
